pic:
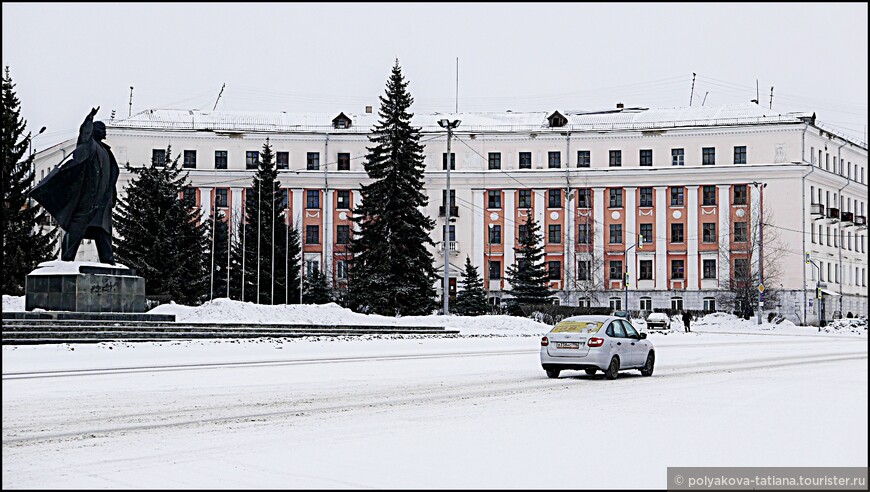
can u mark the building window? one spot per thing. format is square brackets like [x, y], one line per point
[615, 303]
[494, 270]
[343, 201]
[525, 160]
[285, 199]
[615, 233]
[739, 195]
[312, 234]
[188, 196]
[583, 234]
[583, 198]
[282, 160]
[741, 269]
[343, 161]
[312, 199]
[677, 303]
[452, 231]
[677, 196]
[709, 304]
[495, 234]
[646, 303]
[554, 233]
[341, 269]
[189, 159]
[615, 197]
[646, 197]
[523, 231]
[584, 158]
[709, 268]
[709, 234]
[616, 270]
[525, 200]
[493, 199]
[452, 161]
[554, 270]
[220, 159]
[740, 232]
[495, 160]
[584, 270]
[676, 233]
[554, 160]
[311, 266]
[615, 158]
[646, 270]
[646, 230]
[252, 159]
[312, 161]
[554, 198]
[342, 234]
[221, 198]
[158, 157]
[677, 270]
[740, 154]
[709, 195]
[646, 157]
[678, 157]
[708, 156]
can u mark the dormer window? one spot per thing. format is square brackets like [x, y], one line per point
[557, 120]
[341, 122]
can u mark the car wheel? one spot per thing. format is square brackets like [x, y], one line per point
[553, 373]
[647, 369]
[591, 371]
[613, 369]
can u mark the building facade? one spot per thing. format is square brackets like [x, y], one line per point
[640, 208]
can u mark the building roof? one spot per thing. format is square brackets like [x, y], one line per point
[506, 121]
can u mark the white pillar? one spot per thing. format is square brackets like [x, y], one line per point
[298, 212]
[570, 237]
[599, 204]
[236, 219]
[692, 280]
[630, 235]
[661, 212]
[478, 231]
[510, 224]
[724, 234]
[328, 197]
[540, 210]
[205, 202]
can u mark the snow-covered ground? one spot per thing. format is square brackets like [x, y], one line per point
[425, 412]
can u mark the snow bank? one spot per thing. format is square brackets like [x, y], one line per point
[229, 311]
[13, 303]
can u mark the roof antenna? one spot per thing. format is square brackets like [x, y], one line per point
[130, 111]
[771, 97]
[693, 89]
[219, 96]
[705, 98]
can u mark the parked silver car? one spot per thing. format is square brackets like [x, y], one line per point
[596, 343]
[660, 321]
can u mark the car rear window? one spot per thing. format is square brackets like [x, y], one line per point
[578, 327]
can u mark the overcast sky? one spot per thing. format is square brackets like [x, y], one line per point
[67, 58]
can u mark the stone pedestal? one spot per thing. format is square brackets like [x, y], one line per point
[82, 286]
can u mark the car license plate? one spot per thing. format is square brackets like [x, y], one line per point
[568, 345]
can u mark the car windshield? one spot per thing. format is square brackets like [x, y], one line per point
[578, 327]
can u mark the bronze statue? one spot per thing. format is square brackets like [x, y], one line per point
[81, 192]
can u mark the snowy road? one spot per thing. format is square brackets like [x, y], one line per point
[423, 413]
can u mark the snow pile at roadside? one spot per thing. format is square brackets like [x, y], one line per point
[13, 303]
[229, 311]
[847, 325]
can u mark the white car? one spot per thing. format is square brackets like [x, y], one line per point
[659, 321]
[596, 343]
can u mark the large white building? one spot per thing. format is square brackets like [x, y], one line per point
[691, 181]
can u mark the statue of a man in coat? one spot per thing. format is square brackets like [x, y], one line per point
[80, 193]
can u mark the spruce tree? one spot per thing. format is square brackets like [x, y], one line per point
[316, 290]
[392, 271]
[529, 276]
[265, 249]
[471, 300]
[161, 235]
[25, 245]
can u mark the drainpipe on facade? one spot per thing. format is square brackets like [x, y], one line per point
[840, 228]
[804, 213]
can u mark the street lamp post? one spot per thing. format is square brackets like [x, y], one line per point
[818, 291]
[488, 262]
[449, 125]
[760, 187]
[30, 139]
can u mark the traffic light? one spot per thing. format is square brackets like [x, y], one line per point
[625, 278]
[808, 257]
[818, 292]
[640, 241]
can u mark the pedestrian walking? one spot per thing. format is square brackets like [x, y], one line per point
[687, 320]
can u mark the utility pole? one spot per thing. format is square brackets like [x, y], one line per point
[771, 97]
[760, 187]
[818, 291]
[449, 125]
[130, 111]
[219, 96]
[625, 279]
[693, 89]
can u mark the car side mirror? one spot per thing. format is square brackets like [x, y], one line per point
[642, 336]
